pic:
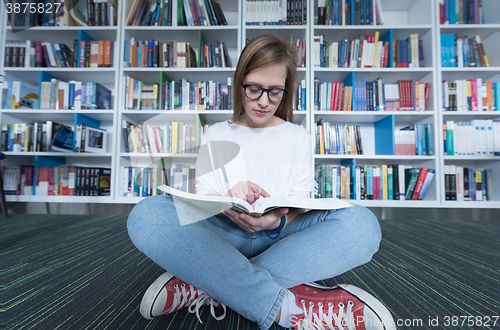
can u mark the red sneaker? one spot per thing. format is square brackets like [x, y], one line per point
[168, 294]
[341, 307]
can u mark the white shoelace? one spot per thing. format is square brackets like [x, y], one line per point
[314, 321]
[188, 299]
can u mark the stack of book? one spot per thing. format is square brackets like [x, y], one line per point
[467, 184]
[332, 139]
[478, 137]
[462, 51]
[372, 182]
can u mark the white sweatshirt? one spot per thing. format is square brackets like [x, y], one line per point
[278, 159]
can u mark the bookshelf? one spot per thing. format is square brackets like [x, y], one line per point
[98, 118]
[401, 19]
[489, 33]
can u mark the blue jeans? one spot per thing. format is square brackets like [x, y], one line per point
[249, 272]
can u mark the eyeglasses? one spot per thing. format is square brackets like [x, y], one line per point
[255, 92]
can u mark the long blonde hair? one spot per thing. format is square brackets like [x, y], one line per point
[263, 51]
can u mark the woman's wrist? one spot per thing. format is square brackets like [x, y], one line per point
[274, 233]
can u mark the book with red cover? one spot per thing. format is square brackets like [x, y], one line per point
[420, 182]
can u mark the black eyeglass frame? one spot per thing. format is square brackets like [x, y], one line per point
[262, 90]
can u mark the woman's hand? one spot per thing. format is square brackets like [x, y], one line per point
[252, 224]
[247, 191]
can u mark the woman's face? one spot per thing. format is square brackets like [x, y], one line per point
[260, 112]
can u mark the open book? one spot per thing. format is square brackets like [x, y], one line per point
[213, 205]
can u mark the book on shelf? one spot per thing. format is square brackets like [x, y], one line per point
[216, 204]
[470, 95]
[461, 12]
[144, 181]
[462, 51]
[28, 137]
[338, 139]
[86, 53]
[63, 138]
[290, 12]
[404, 95]
[174, 137]
[174, 54]
[74, 95]
[478, 137]
[189, 12]
[19, 95]
[348, 12]
[372, 182]
[177, 95]
[63, 180]
[370, 51]
[70, 13]
[464, 183]
[415, 139]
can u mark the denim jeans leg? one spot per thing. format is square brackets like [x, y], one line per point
[197, 255]
[320, 245]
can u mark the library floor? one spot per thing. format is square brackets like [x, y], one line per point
[82, 272]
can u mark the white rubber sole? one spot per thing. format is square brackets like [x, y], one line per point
[152, 294]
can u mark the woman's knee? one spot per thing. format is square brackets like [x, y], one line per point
[149, 213]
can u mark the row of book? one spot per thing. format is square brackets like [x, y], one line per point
[332, 139]
[470, 95]
[404, 95]
[55, 94]
[349, 12]
[203, 13]
[478, 137]
[467, 184]
[372, 182]
[415, 140]
[174, 54]
[461, 12]
[283, 12]
[368, 52]
[174, 137]
[50, 136]
[180, 95]
[462, 51]
[142, 181]
[52, 13]
[63, 180]
[85, 54]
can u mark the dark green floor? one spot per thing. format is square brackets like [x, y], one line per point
[82, 272]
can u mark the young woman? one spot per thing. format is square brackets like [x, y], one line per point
[260, 267]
